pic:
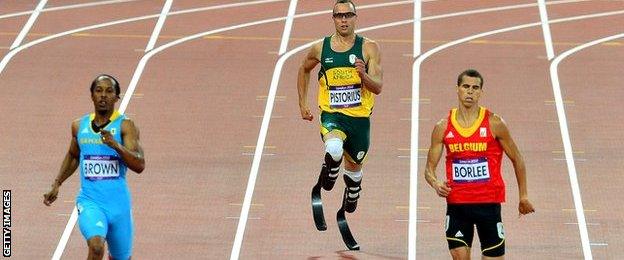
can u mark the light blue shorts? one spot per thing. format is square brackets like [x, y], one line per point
[113, 224]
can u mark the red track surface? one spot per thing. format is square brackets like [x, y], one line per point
[199, 107]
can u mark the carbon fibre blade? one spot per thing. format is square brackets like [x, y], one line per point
[345, 231]
[317, 208]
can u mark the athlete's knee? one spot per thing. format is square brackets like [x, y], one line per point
[460, 253]
[96, 247]
[354, 175]
[352, 166]
[333, 147]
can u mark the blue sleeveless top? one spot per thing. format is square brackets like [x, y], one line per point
[102, 171]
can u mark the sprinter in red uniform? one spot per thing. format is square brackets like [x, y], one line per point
[475, 140]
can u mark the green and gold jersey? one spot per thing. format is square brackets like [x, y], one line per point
[340, 86]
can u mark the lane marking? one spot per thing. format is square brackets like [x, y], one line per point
[567, 143]
[252, 204]
[550, 53]
[29, 24]
[264, 154]
[586, 210]
[65, 7]
[418, 221]
[292, 8]
[589, 224]
[259, 116]
[552, 102]
[564, 159]
[409, 149]
[264, 38]
[14, 51]
[416, 51]
[407, 207]
[247, 218]
[254, 147]
[563, 151]
[159, 25]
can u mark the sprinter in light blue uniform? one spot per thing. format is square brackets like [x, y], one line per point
[104, 145]
[104, 199]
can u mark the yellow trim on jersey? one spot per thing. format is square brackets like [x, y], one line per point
[467, 132]
[112, 118]
[457, 239]
[349, 158]
[340, 134]
[490, 248]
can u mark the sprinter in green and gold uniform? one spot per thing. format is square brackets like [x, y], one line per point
[349, 77]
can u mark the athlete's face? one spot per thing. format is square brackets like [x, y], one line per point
[344, 19]
[469, 91]
[104, 96]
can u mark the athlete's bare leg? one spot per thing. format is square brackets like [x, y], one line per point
[460, 253]
[96, 248]
[492, 258]
[351, 166]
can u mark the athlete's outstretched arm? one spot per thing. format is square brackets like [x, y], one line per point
[433, 158]
[130, 152]
[303, 79]
[501, 132]
[68, 166]
[372, 79]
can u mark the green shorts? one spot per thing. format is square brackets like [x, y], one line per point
[355, 131]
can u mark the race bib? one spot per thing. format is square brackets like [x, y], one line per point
[345, 96]
[471, 170]
[98, 167]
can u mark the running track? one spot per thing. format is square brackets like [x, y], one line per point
[200, 106]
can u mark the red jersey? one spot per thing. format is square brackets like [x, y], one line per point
[473, 161]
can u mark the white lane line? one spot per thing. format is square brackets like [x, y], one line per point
[417, 32]
[412, 228]
[58, 252]
[239, 4]
[567, 144]
[292, 8]
[501, 8]
[143, 62]
[159, 25]
[550, 53]
[13, 52]
[29, 24]
[420, 59]
[65, 7]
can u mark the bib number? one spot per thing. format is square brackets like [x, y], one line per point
[471, 170]
[97, 167]
[345, 96]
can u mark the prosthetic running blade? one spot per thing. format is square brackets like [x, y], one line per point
[343, 226]
[317, 207]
